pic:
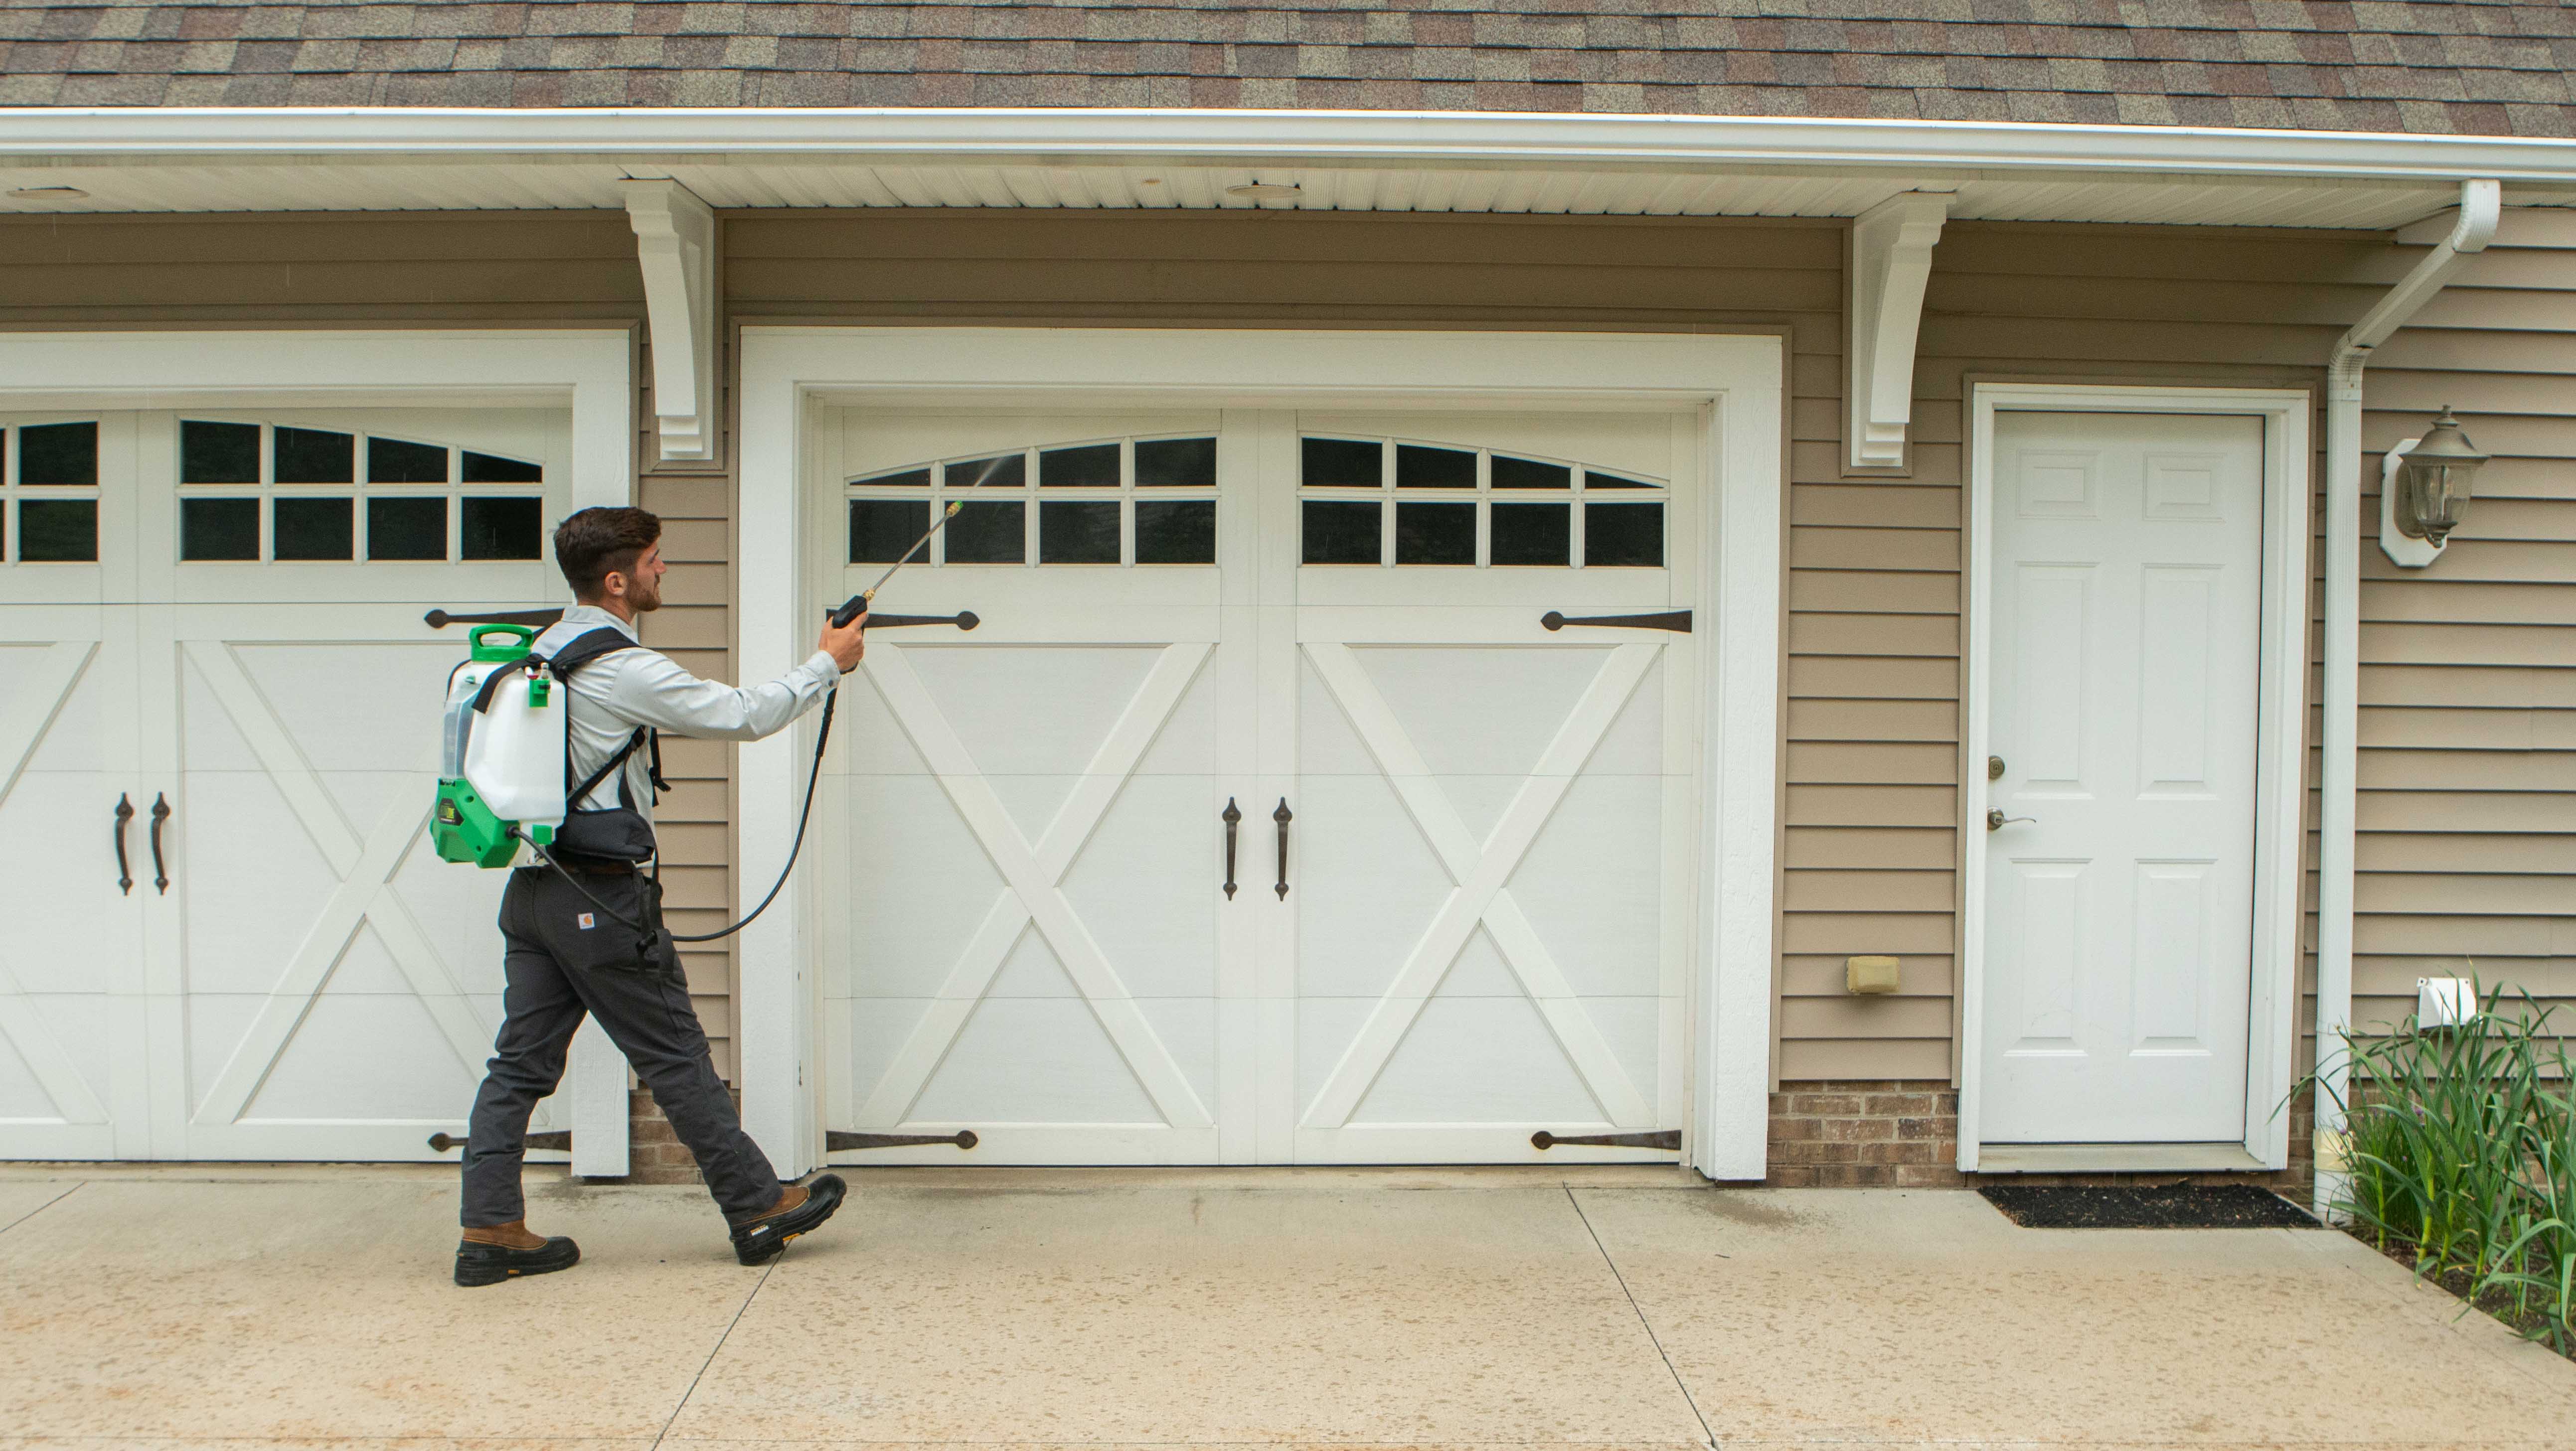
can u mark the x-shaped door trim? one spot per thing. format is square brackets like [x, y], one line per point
[1479, 870]
[1033, 890]
[364, 895]
[32, 710]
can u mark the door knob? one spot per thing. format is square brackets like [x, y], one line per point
[1997, 821]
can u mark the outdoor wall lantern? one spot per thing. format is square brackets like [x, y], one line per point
[2423, 491]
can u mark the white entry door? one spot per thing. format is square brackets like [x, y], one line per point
[1262, 816]
[2119, 907]
[294, 974]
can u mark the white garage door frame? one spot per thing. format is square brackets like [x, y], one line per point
[590, 369]
[1737, 380]
[2280, 742]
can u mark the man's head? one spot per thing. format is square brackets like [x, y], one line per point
[612, 558]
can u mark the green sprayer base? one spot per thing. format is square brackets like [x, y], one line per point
[465, 829]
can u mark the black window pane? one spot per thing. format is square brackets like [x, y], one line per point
[1435, 533]
[1417, 467]
[218, 453]
[1094, 465]
[1080, 533]
[908, 479]
[484, 468]
[392, 461]
[1176, 463]
[1623, 534]
[1339, 532]
[219, 528]
[1594, 479]
[986, 532]
[880, 528]
[1529, 473]
[1533, 533]
[1340, 463]
[312, 456]
[501, 529]
[1006, 472]
[1183, 531]
[313, 529]
[405, 528]
[58, 453]
[58, 529]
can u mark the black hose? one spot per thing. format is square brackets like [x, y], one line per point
[813, 777]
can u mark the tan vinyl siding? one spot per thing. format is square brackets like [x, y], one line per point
[2468, 675]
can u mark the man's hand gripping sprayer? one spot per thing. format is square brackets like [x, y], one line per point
[481, 822]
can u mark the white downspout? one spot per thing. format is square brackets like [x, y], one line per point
[2480, 205]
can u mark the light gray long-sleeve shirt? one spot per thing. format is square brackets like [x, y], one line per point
[614, 694]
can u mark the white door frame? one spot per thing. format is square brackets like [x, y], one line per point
[1736, 379]
[589, 369]
[2280, 721]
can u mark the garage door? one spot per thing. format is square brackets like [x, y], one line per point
[1310, 788]
[232, 777]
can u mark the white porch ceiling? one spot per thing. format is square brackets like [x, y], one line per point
[393, 183]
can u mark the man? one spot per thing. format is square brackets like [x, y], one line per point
[589, 938]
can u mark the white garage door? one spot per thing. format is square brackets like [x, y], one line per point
[232, 647]
[1076, 922]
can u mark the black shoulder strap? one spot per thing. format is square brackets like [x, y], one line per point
[577, 652]
[587, 646]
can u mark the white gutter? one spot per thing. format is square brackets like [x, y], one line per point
[2480, 205]
[1108, 136]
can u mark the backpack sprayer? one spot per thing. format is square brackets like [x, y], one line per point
[505, 772]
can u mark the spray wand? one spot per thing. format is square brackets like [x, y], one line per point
[850, 609]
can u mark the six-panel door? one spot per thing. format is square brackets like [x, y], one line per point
[2120, 880]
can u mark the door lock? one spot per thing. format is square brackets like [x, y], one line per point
[1997, 821]
[1994, 768]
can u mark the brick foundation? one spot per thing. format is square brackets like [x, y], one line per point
[655, 1154]
[1904, 1134]
[1829, 1134]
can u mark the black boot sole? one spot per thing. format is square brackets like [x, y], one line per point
[761, 1242]
[490, 1264]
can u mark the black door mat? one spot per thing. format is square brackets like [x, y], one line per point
[2173, 1206]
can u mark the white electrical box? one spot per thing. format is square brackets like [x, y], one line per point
[2445, 1002]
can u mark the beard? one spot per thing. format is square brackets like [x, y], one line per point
[644, 596]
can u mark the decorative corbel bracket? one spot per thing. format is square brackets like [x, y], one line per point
[675, 243]
[1891, 260]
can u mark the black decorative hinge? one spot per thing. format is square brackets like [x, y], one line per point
[1658, 1139]
[1678, 620]
[963, 619]
[836, 1139]
[441, 619]
[444, 1142]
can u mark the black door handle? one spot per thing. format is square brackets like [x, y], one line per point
[1231, 816]
[160, 872]
[1677, 620]
[441, 619]
[1283, 816]
[124, 873]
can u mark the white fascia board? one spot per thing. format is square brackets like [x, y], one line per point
[1043, 135]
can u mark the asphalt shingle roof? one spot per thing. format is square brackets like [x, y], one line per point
[2486, 67]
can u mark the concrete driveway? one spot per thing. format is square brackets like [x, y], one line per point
[251, 1307]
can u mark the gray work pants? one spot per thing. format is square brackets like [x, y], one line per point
[566, 958]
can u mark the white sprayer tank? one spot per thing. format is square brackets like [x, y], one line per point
[514, 750]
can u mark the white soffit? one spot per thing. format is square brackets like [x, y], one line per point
[392, 185]
[140, 159]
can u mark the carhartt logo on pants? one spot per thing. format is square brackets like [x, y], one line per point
[586, 920]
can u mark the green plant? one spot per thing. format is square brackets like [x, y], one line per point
[2462, 1149]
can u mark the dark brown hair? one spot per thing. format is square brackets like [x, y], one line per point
[594, 543]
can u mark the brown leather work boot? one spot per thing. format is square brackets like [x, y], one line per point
[489, 1254]
[800, 1207]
